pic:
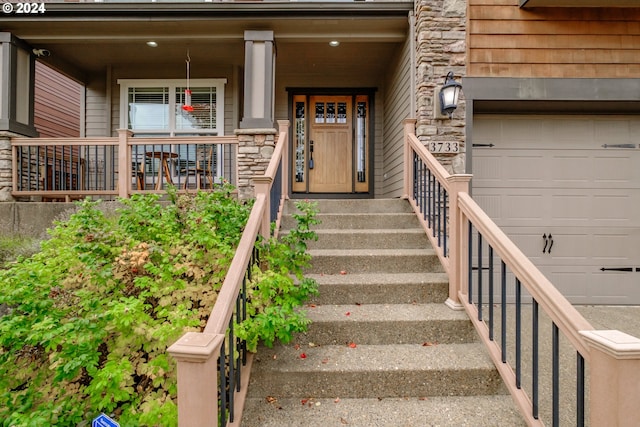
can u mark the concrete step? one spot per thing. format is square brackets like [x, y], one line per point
[373, 371]
[458, 411]
[411, 238]
[381, 288]
[350, 261]
[376, 324]
[356, 205]
[359, 221]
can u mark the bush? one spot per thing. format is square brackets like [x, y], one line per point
[92, 314]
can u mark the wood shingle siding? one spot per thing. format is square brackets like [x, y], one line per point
[57, 103]
[506, 41]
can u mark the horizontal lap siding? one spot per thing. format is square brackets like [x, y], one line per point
[57, 104]
[506, 41]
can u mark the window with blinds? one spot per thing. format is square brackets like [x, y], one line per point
[156, 107]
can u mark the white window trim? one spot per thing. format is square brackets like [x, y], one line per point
[219, 84]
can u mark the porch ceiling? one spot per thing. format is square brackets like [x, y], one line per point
[83, 44]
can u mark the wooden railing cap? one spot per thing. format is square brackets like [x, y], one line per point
[616, 344]
[195, 347]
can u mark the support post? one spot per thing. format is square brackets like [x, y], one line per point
[124, 163]
[614, 368]
[283, 127]
[457, 184]
[262, 185]
[409, 129]
[197, 356]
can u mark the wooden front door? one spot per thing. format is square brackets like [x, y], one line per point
[330, 144]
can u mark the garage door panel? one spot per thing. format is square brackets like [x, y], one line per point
[553, 175]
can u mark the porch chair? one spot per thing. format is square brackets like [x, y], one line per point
[201, 168]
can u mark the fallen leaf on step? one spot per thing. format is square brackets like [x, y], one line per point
[325, 361]
[297, 346]
[343, 272]
[348, 313]
[337, 400]
[304, 401]
[352, 345]
[358, 303]
[271, 399]
[312, 305]
[429, 344]
[303, 355]
[311, 344]
[343, 421]
[422, 398]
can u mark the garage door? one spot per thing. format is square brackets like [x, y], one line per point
[566, 190]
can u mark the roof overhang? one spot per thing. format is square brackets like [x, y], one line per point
[579, 3]
[87, 37]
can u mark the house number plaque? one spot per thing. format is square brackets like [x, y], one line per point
[444, 147]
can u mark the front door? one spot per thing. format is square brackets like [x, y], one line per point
[330, 144]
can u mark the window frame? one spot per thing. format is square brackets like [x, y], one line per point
[172, 84]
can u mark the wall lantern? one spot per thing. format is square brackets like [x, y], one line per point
[449, 94]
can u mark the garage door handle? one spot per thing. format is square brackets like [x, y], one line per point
[548, 242]
[629, 269]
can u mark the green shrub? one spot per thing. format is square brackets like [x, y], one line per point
[92, 314]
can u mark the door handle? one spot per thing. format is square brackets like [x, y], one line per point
[311, 154]
[548, 243]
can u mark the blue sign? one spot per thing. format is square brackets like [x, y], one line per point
[104, 421]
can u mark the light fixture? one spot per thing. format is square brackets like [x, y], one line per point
[334, 43]
[151, 43]
[449, 94]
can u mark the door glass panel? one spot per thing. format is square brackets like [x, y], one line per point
[299, 141]
[319, 112]
[342, 112]
[361, 138]
[331, 112]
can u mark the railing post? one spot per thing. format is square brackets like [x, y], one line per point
[457, 184]
[614, 369]
[124, 162]
[409, 129]
[283, 126]
[262, 185]
[197, 356]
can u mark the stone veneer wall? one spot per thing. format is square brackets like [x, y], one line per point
[255, 148]
[6, 178]
[441, 47]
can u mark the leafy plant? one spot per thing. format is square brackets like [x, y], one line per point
[92, 314]
[278, 288]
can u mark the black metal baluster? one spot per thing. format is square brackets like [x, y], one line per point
[445, 209]
[580, 390]
[535, 367]
[432, 197]
[470, 264]
[438, 219]
[479, 276]
[555, 351]
[232, 370]
[503, 296]
[490, 293]
[222, 392]
[518, 333]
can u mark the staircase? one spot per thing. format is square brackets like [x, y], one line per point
[383, 349]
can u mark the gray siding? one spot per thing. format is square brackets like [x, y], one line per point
[397, 107]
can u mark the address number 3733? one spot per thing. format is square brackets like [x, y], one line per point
[444, 147]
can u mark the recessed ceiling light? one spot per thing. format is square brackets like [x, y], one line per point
[152, 44]
[334, 43]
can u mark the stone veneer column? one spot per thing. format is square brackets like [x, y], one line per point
[6, 171]
[255, 148]
[441, 47]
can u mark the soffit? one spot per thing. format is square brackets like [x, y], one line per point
[85, 38]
